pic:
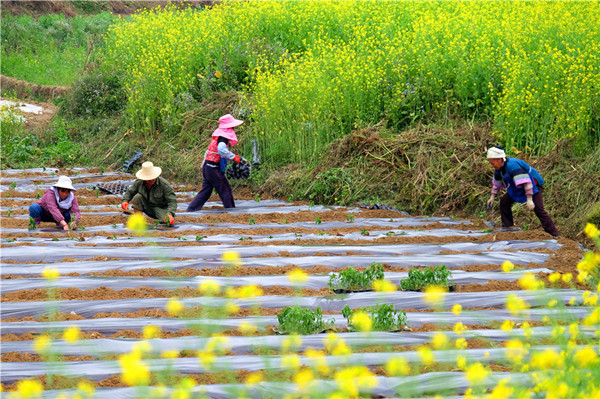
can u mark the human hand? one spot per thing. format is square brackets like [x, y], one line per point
[490, 202]
[73, 225]
[530, 204]
[169, 220]
[125, 205]
[237, 159]
[64, 225]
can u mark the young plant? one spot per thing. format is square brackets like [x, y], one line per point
[32, 225]
[13, 185]
[298, 320]
[419, 279]
[364, 232]
[383, 316]
[252, 221]
[350, 279]
[350, 218]
[318, 220]
[257, 198]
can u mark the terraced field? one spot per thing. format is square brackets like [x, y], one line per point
[114, 284]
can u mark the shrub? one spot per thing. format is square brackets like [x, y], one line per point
[298, 320]
[352, 280]
[95, 95]
[383, 316]
[419, 279]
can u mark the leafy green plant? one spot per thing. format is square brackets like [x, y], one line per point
[383, 316]
[298, 320]
[364, 232]
[252, 221]
[419, 279]
[317, 220]
[351, 279]
[350, 218]
[13, 185]
[199, 238]
[9, 212]
[32, 225]
[257, 198]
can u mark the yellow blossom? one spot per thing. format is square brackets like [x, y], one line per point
[133, 370]
[218, 74]
[174, 307]
[297, 276]
[516, 304]
[586, 356]
[29, 388]
[249, 291]
[292, 342]
[361, 321]
[530, 282]
[515, 350]
[136, 223]
[231, 308]
[206, 359]
[461, 343]
[397, 366]
[86, 388]
[546, 360]
[232, 259]
[507, 325]
[50, 273]
[459, 328]
[552, 303]
[457, 309]
[218, 344]
[72, 334]
[502, 390]
[461, 361]
[507, 266]
[254, 378]
[42, 343]
[209, 287]
[290, 362]
[554, 277]
[476, 373]
[439, 341]
[591, 231]
[170, 354]
[434, 296]
[318, 357]
[150, 332]
[567, 277]
[384, 286]
[247, 328]
[426, 355]
[303, 378]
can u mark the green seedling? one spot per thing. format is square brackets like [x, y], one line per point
[318, 220]
[13, 185]
[431, 276]
[350, 218]
[97, 192]
[383, 316]
[320, 234]
[32, 225]
[364, 231]
[55, 239]
[252, 221]
[284, 221]
[11, 240]
[351, 279]
[199, 238]
[90, 187]
[312, 204]
[114, 226]
[9, 212]
[487, 231]
[298, 320]
[297, 235]
[38, 195]
[391, 220]
[7, 195]
[257, 198]
[182, 238]
[390, 234]
[270, 236]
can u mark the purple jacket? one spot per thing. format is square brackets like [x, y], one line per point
[49, 204]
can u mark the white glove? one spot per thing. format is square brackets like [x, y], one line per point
[530, 204]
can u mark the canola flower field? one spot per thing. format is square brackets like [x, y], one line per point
[311, 71]
[124, 309]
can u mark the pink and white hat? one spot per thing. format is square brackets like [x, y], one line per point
[228, 121]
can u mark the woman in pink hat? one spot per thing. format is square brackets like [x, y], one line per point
[215, 163]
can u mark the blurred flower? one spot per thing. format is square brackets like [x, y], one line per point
[50, 273]
[461, 361]
[426, 355]
[290, 362]
[461, 343]
[567, 277]
[209, 287]
[434, 296]
[72, 334]
[507, 266]
[218, 74]
[554, 277]
[476, 373]
[397, 366]
[137, 223]
[232, 259]
[457, 309]
[440, 341]
[586, 356]
[591, 231]
[516, 304]
[502, 391]
[546, 360]
[291, 343]
[150, 332]
[170, 354]
[507, 325]
[218, 344]
[247, 328]
[529, 282]
[515, 350]
[254, 378]
[303, 378]
[133, 370]
[42, 343]
[206, 359]
[361, 321]
[459, 328]
[29, 388]
[249, 291]
[384, 286]
[174, 307]
[297, 276]
[231, 308]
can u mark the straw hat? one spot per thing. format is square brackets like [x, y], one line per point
[228, 121]
[65, 182]
[148, 171]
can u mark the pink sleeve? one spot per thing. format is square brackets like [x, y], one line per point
[528, 189]
[48, 201]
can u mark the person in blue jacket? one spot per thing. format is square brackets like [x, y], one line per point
[523, 184]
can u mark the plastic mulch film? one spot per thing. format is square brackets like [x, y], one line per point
[415, 319]
[389, 387]
[331, 303]
[313, 281]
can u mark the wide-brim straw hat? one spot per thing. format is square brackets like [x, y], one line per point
[65, 182]
[148, 171]
[228, 121]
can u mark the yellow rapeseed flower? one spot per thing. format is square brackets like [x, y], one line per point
[397, 366]
[42, 343]
[86, 388]
[133, 370]
[586, 356]
[50, 273]
[457, 309]
[567, 277]
[231, 308]
[384, 286]
[507, 325]
[29, 388]
[254, 378]
[247, 328]
[591, 231]
[516, 304]
[502, 390]
[209, 287]
[291, 343]
[507, 266]
[461, 343]
[218, 74]
[174, 307]
[476, 373]
[150, 332]
[303, 378]
[170, 354]
[440, 341]
[249, 291]
[206, 359]
[297, 276]
[530, 282]
[554, 277]
[459, 328]
[232, 259]
[291, 362]
[218, 344]
[137, 223]
[361, 321]
[434, 296]
[461, 361]
[426, 355]
[546, 360]
[72, 334]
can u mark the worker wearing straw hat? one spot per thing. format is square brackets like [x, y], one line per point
[215, 163]
[151, 194]
[57, 205]
[524, 184]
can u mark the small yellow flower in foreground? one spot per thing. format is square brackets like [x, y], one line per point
[527, 331]
[384, 286]
[582, 276]
[459, 328]
[319, 360]
[426, 355]
[86, 388]
[461, 343]
[255, 378]
[42, 343]
[457, 309]
[361, 321]
[247, 328]
[591, 300]
[136, 223]
[593, 318]
[50, 273]
[507, 266]
[303, 378]
[290, 362]
[231, 308]
[341, 349]
[170, 354]
[291, 343]
[134, 371]
[397, 366]
[591, 231]
[440, 341]
[209, 287]
[507, 325]
[249, 291]
[586, 356]
[516, 304]
[29, 388]
[141, 347]
[206, 359]
[547, 359]
[502, 390]
[218, 344]
[232, 258]
[218, 74]
[567, 277]
[554, 277]
[151, 332]
[476, 373]
[434, 296]
[72, 334]
[529, 282]
[297, 276]
[552, 303]
[461, 361]
[174, 307]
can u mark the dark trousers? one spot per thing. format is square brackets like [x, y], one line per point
[212, 178]
[506, 203]
[40, 215]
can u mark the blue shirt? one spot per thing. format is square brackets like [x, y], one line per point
[514, 173]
